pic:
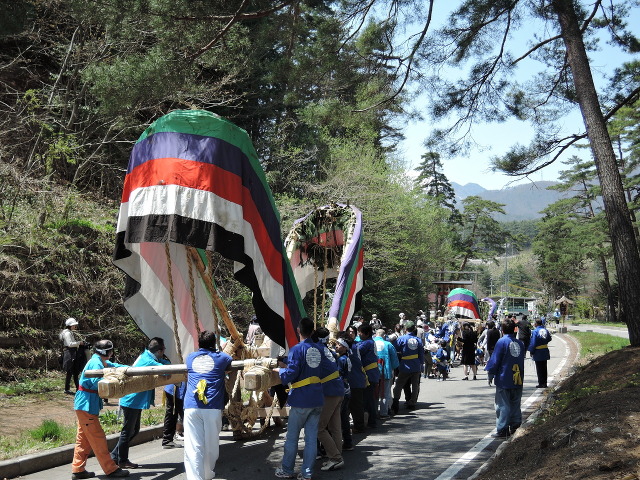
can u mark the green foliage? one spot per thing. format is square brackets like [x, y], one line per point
[523, 231]
[152, 416]
[434, 182]
[481, 236]
[76, 225]
[567, 398]
[48, 430]
[32, 384]
[26, 443]
[109, 418]
[560, 254]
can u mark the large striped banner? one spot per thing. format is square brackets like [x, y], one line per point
[194, 180]
[463, 302]
[327, 243]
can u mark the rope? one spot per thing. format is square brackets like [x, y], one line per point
[214, 312]
[173, 302]
[315, 296]
[121, 384]
[192, 291]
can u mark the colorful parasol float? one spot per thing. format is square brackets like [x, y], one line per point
[323, 245]
[463, 302]
[194, 186]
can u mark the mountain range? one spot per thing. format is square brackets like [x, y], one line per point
[522, 202]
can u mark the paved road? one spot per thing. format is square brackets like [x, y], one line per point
[446, 438]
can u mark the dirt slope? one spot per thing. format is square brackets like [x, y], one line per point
[589, 429]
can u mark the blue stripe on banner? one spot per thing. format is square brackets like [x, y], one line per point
[213, 151]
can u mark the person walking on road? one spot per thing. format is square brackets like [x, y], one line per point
[524, 331]
[492, 337]
[469, 341]
[388, 362]
[87, 404]
[133, 404]
[330, 424]
[539, 350]
[357, 382]
[344, 367]
[411, 353]
[306, 398]
[203, 405]
[173, 414]
[506, 365]
[369, 356]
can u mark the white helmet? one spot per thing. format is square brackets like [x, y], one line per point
[71, 322]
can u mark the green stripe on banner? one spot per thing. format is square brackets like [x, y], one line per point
[199, 122]
[296, 291]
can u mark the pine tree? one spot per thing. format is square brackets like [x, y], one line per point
[433, 182]
[481, 235]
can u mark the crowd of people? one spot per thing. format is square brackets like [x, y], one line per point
[338, 386]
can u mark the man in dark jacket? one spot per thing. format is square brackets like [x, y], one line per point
[524, 331]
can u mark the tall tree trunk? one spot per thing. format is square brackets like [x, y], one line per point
[625, 249]
[611, 304]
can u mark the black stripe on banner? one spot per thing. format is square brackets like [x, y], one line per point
[205, 235]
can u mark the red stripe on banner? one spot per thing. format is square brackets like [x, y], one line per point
[351, 297]
[291, 335]
[186, 173]
[209, 178]
[465, 304]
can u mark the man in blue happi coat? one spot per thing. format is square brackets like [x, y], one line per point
[539, 350]
[302, 372]
[411, 353]
[506, 366]
[369, 357]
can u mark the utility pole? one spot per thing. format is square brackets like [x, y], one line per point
[506, 275]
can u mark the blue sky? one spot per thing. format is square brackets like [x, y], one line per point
[496, 138]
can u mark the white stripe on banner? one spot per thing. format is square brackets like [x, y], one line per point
[148, 268]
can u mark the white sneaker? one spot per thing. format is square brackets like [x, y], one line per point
[332, 465]
[178, 437]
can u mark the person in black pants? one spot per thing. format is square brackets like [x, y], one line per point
[174, 412]
[539, 350]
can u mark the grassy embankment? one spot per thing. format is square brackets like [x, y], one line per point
[595, 344]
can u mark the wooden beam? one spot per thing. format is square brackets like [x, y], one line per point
[215, 298]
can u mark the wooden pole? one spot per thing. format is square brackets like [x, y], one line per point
[215, 298]
[181, 368]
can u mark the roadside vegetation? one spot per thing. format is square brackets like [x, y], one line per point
[595, 344]
[51, 434]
